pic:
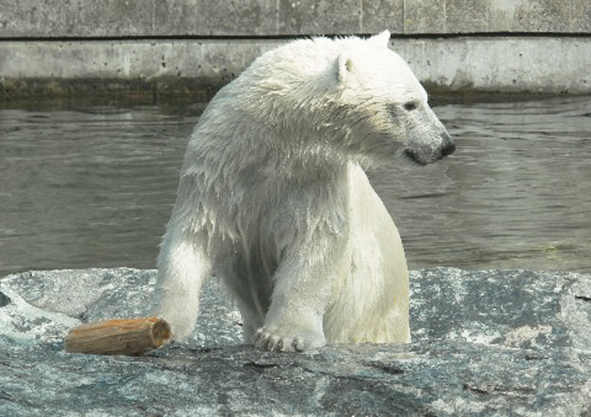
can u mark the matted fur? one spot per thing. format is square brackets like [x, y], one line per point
[273, 199]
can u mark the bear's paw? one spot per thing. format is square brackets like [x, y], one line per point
[288, 338]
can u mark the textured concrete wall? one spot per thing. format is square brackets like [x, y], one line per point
[115, 18]
[481, 64]
[491, 45]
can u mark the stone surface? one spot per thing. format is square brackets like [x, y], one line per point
[51, 47]
[155, 18]
[517, 65]
[484, 343]
[509, 65]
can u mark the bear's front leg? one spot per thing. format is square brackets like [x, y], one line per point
[182, 269]
[303, 286]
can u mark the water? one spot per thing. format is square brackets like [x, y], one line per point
[516, 194]
[93, 186]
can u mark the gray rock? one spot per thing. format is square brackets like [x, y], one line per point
[484, 343]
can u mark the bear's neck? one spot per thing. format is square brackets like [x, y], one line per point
[247, 148]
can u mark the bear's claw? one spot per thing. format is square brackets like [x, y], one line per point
[275, 340]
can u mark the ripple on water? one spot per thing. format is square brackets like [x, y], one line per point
[94, 187]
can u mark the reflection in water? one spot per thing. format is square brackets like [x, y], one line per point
[94, 187]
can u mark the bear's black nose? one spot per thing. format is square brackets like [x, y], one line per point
[448, 149]
[449, 145]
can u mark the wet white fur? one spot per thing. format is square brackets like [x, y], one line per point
[273, 199]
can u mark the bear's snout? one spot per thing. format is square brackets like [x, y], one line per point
[449, 145]
[426, 154]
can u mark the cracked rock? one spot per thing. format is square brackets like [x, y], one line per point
[484, 343]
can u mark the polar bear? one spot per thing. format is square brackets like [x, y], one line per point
[274, 201]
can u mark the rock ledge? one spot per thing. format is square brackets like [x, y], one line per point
[484, 343]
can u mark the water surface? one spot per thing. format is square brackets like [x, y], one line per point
[93, 187]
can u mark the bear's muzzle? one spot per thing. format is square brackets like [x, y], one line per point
[449, 145]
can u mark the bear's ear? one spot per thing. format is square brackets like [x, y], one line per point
[381, 38]
[344, 66]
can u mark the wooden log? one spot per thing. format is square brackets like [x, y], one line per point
[118, 336]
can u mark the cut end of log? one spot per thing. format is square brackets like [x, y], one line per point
[118, 336]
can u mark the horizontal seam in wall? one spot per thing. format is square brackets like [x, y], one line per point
[500, 34]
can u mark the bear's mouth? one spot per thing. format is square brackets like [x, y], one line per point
[414, 157]
[425, 158]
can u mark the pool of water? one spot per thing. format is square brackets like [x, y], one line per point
[93, 186]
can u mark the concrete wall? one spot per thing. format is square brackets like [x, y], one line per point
[53, 47]
[118, 18]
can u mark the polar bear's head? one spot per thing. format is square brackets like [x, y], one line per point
[355, 93]
[386, 106]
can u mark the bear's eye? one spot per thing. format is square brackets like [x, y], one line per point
[410, 105]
